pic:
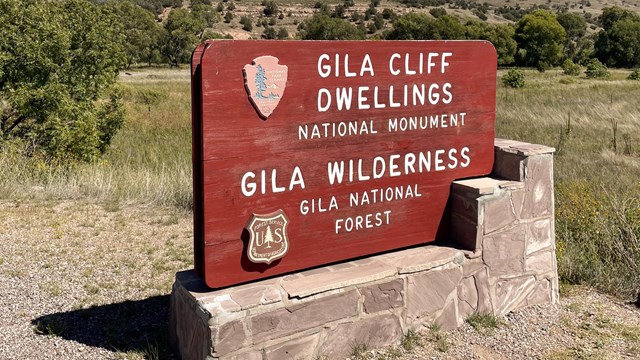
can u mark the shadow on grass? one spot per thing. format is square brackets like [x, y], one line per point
[132, 326]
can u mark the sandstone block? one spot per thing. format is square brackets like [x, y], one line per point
[517, 199]
[541, 294]
[464, 206]
[466, 233]
[467, 297]
[512, 294]
[498, 212]
[421, 258]
[485, 305]
[427, 292]
[287, 321]
[384, 296]
[539, 235]
[448, 319]
[541, 262]
[251, 296]
[508, 166]
[373, 332]
[473, 265]
[248, 355]
[231, 337]
[477, 186]
[504, 252]
[342, 276]
[303, 348]
[538, 200]
[189, 333]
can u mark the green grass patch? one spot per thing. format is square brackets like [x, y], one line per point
[410, 340]
[483, 322]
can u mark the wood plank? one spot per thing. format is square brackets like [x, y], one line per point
[236, 139]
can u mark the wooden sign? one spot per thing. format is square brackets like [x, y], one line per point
[313, 152]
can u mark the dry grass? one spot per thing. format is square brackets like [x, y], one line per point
[597, 170]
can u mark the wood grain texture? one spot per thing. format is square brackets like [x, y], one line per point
[231, 139]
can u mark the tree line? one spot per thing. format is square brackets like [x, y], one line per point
[541, 38]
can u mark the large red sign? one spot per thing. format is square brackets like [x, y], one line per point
[308, 153]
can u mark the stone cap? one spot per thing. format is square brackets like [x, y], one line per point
[317, 281]
[484, 185]
[522, 148]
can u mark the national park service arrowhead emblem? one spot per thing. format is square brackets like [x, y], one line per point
[265, 81]
[268, 239]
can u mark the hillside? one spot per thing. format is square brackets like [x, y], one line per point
[294, 11]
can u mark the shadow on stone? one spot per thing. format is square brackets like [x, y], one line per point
[140, 326]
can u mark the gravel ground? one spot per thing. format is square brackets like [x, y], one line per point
[585, 325]
[86, 281]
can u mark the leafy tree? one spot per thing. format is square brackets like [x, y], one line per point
[500, 35]
[184, 31]
[157, 6]
[269, 33]
[339, 11]
[205, 13]
[228, 17]
[388, 14]
[576, 27]
[618, 44]
[323, 27]
[142, 32]
[246, 23]
[414, 26]
[540, 38]
[437, 12]
[282, 34]
[58, 62]
[270, 7]
[209, 35]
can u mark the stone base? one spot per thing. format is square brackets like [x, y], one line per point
[505, 221]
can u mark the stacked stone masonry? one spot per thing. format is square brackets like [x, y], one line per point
[502, 258]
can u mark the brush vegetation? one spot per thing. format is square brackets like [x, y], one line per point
[593, 124]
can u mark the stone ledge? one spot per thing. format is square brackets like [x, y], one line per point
[522, 148]
[314, 283]
[485, 185]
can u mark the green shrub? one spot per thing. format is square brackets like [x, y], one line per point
[597, 70]
[635, 75]
[246, 23]
[570, 68]
[513, 78]
[598, 237]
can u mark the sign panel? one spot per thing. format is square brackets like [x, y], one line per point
[313, 152]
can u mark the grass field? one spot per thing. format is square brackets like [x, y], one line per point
[595, 127]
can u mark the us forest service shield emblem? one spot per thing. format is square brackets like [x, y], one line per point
[268, 239]
[265, 81]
